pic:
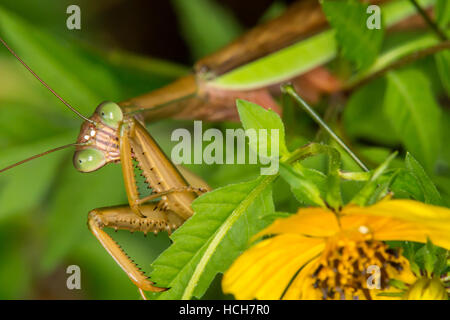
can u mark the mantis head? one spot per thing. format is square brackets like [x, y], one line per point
[98, 142]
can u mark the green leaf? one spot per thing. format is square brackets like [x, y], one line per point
[310, 185]
[443, 66]
[395, 51]
[364, 117]
[442, 10]
[443, 58]
[429, 190]
[384, 184]
[224, 221]
[414, 114]
[407, 186]
[256, 117]
[364, 196]
[426, 257]
[358, 43]
[274, 216]
[206, 25]
[307, 185]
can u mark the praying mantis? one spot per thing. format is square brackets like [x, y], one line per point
[116, 132]
[110, 135]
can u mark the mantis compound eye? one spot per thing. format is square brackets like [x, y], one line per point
[88, 160]
[110, 113]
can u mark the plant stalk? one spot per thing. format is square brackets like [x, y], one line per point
[289, 89]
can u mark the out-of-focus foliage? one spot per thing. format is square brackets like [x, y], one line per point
[359, 44]
[44, 203]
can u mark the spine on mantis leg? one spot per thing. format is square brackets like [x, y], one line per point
[160, 173]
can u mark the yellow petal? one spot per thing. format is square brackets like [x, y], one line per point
[406, 220]
[302, 286]
[265, 270]
[313, 222]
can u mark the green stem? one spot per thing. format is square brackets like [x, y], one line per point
[289, 89]
[378, 71]
[428, 20]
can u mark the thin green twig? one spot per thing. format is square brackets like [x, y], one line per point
[289, 89]
[408, 59]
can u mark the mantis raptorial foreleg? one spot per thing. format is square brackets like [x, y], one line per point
[158, 171]
[123, 217]
[152, 218]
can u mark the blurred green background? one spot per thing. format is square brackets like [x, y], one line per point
[44, 203]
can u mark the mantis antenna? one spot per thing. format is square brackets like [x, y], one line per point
[39, 155]
[56, 95]
[44, 83]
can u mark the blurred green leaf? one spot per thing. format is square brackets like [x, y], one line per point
[443, 67]
[399, 47]
[61, 64]
[224, 221]
[15, 271]
[22, 188]
[74, 196]
[414, 114]
[22, 125]
[358, 43]
[443, 58]
[443, 13]
[364, 117]
[206, 25]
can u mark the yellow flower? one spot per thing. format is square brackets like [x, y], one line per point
[427, 289]
[318, 254]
